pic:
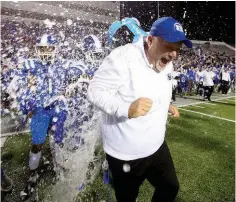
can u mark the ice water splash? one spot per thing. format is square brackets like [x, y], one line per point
[76, 163]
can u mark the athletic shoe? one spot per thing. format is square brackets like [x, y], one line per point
[6, 183]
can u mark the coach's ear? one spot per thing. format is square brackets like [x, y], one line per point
[149, 40]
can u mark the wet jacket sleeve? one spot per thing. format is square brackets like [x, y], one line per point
[106, 83]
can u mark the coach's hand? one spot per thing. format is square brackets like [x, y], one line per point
[174, 111]
[140, 107]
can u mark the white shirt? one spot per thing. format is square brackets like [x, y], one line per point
[208, 78]
[225, 76]
[175, 81]
[125, 76]
[198, 76]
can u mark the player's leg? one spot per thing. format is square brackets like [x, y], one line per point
[206, 91]
[59, 126]
[219, 87]
[197, 88]
[189, 86]
[6, 182]
[185, 90]
[210, 92]
[58, 121]
[39, 128]
[223, 87]
[228, 88]
[173, 93]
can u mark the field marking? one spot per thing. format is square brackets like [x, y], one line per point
[228, 100]
[3, 140]
[14, 133]
[198, 106]
[208, 115]
[196, 103]
[224, 102]
[208, 103]
[179, 106]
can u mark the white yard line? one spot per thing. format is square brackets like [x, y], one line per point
[198, 106]
[230, 100]
[14, 133]
[196, 103]
[223, 102]
[208, 103]
[208, 115]
[3, 141]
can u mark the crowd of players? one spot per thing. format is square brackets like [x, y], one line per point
[65, 56]
[19, 39]
[18, 43]
[45, 75]
[201, 73]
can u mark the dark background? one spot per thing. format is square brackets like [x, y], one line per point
[203, 20]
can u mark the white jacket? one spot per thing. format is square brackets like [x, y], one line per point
[208, 78]
[124, 76]
[225, 76]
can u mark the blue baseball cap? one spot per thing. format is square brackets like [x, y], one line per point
[170, 30]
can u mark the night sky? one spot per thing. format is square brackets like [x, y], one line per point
[203, 20]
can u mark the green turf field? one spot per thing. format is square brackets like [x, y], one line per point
[202, 147]
[15, 158]
[203, 150]
[222, 108]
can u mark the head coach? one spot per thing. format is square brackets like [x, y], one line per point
[133, 89]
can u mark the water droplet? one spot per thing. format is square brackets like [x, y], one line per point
[126, 168]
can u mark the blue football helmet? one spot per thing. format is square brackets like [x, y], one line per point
[46, 48]
[92, 49]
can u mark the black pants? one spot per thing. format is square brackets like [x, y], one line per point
[225, 86]
[208, 90]
[190, 86]
[158, 169]
[199, 90]
[173, 93]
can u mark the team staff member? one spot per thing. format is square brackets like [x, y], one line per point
[225, 81]
[208, 83]
[133, 88]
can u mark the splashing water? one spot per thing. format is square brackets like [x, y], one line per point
[76, 162]
[75, 158]
[81, 138]
[184, 14]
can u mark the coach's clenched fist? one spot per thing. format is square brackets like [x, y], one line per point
[140, 107]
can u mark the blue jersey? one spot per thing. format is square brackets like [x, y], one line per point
[191, 74]
[48, 82]
[216, 78]
[232, 75]
[183, 81]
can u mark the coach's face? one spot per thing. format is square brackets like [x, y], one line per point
[161, 52]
